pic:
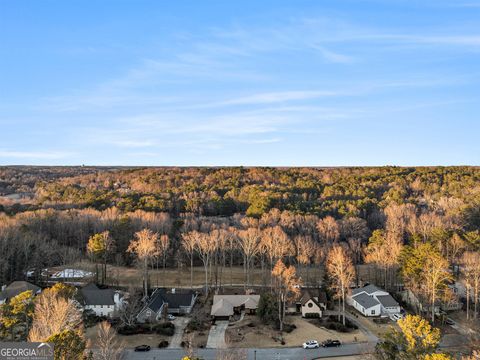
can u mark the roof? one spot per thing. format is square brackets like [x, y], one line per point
[312, 294]
[223, 305]
[92, 295]
[177, 299]
[250, 301]
[365, 300]
[16, 288]
[222, 308]
[387, 300]
[369, 289]
[306, 297]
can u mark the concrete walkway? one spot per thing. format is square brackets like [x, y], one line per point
[216, 336]
[180, 325]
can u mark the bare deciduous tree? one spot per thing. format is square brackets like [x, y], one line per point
[189, 241]
[287, 286]
[108, 345]
[53, 314]
[471, 274]
[144, 247]
[249, 242]
[341, 270]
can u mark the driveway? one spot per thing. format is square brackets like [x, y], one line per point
[216, 336]
[180, 323]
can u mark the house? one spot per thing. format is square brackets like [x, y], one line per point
[373, 301]
[103, 302]
[163, 301]
[16, 288]
[225, 306]
[311, 302]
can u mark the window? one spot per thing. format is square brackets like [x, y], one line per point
[310, 305]
[373, 312]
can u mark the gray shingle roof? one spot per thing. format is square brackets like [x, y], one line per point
[16, 288]
[387, 300]
[369, 289]
[92, 295]
[365, 300]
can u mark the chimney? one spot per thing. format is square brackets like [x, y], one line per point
[173, 290]
[116, 298]
[4, 287]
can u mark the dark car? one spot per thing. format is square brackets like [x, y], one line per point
[331, 343]
[142, 348]
[449, 321]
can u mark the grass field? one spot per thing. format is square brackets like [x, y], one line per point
[180, 277]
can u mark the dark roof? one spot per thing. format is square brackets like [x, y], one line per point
[92, 295]
[306, 297]
[156, 301]
[387, 300]
[16, 288]
[174, 300]
[308, 294]
[369, 289]
[365, 300]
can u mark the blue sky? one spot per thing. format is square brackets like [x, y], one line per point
[320, 83]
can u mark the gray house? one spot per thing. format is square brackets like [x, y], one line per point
[163, 302]
[16, 288]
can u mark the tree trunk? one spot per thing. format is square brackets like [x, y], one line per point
[343, 304]
[164, 275]
[467, 288]
[191, 271]
[145, 276]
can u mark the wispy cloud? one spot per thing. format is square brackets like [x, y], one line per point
[34, 154]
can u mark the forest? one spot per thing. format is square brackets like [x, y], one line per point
[61, 208]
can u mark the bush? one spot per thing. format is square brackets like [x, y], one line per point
[167, 329]
[338, 326]
[288, 328]
[312, 316]
[163, 344]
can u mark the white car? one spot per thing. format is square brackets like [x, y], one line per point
[171, 317]
[395, 317]
[311, 344]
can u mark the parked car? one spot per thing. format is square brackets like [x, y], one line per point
[449, 321]
[142, 348]
[311, 344]
[395, 317]
[171, 317]
[331, 343]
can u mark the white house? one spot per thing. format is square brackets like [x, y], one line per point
[313, 303]
[103, 302]
[373, 301]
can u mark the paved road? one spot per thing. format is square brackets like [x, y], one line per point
[216, 336]
[261, 354]
[180, 325]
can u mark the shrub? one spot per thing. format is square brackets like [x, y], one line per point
[167, 329]
[163, 344]
[312, 316]
[288, 328]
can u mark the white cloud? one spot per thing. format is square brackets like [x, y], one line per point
[34, 154]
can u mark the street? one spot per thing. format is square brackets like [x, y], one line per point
[257, 354]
